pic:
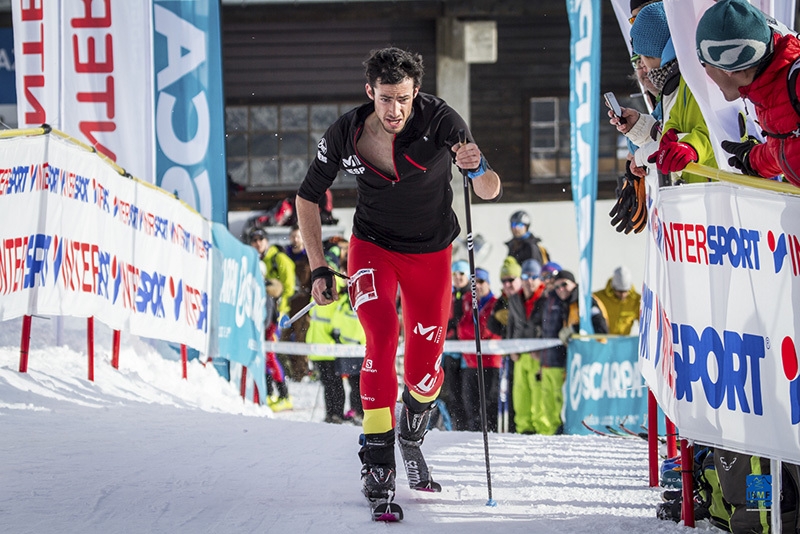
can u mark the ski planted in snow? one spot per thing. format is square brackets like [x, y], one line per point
[600, 432]
[419, 476]
[385, 510]
[620, 433]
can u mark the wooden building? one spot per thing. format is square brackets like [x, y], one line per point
[291, 68]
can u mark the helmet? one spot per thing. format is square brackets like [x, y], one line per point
[256, 233]
[520, 217]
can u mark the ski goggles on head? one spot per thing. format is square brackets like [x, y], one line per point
[548, 275]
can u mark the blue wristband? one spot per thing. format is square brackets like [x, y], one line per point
[480, 171]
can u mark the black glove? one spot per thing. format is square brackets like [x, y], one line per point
[630, 211]
[741, 155]
[327, 274]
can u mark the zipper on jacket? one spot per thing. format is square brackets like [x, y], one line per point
[414, 163]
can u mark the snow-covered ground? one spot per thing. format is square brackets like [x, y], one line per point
[140, 450]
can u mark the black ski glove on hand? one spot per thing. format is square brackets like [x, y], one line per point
[741, 155]
[326, 274]
[630, 211]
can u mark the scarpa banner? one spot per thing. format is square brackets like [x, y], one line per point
[584, 22]
[720, 317]
[604, 387]
[190, 158]
[238, 332]
[85, 68]
[79, 239]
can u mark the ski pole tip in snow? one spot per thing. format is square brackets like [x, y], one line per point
[491, 502]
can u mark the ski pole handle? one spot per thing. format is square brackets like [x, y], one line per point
[286, 322]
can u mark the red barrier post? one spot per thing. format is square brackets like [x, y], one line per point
[115, 350]
[672, 440]
[25, 344]
[243, 383]
[687, 483]
[184, 362]
[90, 346]
[652, 438]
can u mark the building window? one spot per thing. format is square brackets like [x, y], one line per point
[269, 147]
[550, 148]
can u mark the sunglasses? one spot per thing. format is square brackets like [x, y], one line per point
[633, 18]
[479, 281]
[507, 280]
[560, 286]
[528, 276]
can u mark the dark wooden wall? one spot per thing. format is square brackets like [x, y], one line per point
[313, 53]
[317, 61]
[533, 61]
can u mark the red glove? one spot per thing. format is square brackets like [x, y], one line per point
[672, 155]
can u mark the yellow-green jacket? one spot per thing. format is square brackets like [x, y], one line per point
[280, 266]
[684, 115]
[621, 313]
[337, 316]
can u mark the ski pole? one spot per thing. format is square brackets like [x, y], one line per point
[462, 140]
[286, 321]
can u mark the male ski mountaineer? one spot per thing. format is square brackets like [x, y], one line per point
[400, 147]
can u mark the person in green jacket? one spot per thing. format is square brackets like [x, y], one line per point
[621, 301]
[275, 264]
[683, 137]
[337, 324]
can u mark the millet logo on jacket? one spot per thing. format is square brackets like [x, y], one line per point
[353, 165]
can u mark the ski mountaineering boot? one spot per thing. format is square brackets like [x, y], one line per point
[411, 429]
[378, 475]
[378, 465]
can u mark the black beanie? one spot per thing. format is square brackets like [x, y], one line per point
[638, 3]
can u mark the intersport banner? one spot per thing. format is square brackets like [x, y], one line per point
[79, 239]
[584, 101]
[140, 80]
[85, 68]
[720, 316]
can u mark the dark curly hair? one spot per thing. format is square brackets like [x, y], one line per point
[393, 65]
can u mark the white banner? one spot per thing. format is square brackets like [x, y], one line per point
[78, 239]
[720, 316]
[491, 346]
[86, 68]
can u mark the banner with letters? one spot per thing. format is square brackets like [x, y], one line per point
[237, 332]
[141, 81]
[584, 113]
[79, 239]
[604, 386]
[85, 68]
[190, 113]
[720, 317]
